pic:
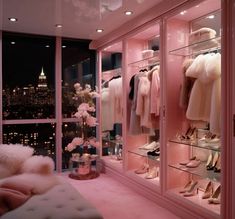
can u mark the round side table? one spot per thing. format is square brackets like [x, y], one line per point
[84, 169]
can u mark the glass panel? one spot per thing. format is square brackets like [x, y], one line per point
[143, 105]
[28, 76]
[41, 137]
[111, 101]
[193, 105]
[78, 67]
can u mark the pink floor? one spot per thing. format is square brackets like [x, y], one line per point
[116, 201]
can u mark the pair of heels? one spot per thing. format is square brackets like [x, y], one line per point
[191, 163]
[189, 135]
[150, 146]
[214, 162]
[212, 196]
[143, 169]
[190, 189]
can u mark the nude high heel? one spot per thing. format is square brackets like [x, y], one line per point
[215, 198]
[192, 189]
[209, 191]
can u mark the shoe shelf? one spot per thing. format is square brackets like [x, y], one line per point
[154, 60]
[199, 144]
[196, 201]
[152, 184]
[143, 153]
[200, 47]
[200, 171]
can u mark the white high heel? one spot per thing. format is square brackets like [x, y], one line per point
[153, 173]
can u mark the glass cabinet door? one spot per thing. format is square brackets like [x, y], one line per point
[143, 106]
[193, 104]
[112, 104]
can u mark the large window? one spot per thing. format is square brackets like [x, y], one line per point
[29, 88]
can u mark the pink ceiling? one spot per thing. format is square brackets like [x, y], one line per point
[80, 18]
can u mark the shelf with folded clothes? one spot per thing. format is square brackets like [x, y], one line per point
[214, 146]
[144, 153]
[200, 47]
[146, 62]
[199, 170]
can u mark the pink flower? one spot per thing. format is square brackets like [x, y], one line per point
[77, 141]
[91, 121]
[70, 147]
[83, 107]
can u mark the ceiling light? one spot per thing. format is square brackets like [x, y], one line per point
[63, 46]
[128, 13]
[99, 30]
[47, 46]
[13, 42]
[58, 25]
[12, 19]
[183, 12]
[197, 6]
[211, 16]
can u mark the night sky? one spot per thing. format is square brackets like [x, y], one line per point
[23, 61]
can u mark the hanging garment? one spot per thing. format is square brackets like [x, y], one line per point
[205, 95]
[116, 108]
[155, 91]
[143, 102]
[107, 124]
[187, 85]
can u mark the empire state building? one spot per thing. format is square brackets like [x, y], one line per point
[42, 81]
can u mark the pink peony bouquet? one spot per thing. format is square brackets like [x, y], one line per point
[85, 115]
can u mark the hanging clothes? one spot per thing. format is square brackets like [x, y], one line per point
[205, 98]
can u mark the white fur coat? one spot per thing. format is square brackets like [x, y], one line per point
[205, 99]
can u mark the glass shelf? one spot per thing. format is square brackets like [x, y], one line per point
[154, 60]
[199, 144]
[198, 48]
[198, 171]
[143, 153]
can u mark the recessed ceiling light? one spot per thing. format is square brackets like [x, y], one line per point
[47, 46]
[183, 12]
[211, 16]
[99, 30]
[13, 42]
[63, 46]
[128, 13]
[12, 19]
[58, 25]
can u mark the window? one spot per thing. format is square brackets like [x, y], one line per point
[29, 88]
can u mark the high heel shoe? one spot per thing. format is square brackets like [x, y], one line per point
[187, 187]
[209, 161]
[209, 191]
[192, 190]
[153, 173]
[215, 198]
[143, 169]
[214, 161]
[217, 167]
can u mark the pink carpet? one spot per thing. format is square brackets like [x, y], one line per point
[116, 201]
